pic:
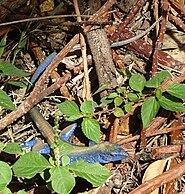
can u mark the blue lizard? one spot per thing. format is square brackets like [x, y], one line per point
[103, 152]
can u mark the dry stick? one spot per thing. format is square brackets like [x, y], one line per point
[133, 13]
[151, 134]
[177, 21]
[86, 93]
[35, 95]
[160, 180]
[41, 18]
[158, 43]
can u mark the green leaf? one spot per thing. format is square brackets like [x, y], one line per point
[5, 175]
[61, 180]
[65, 160]
[91, 129]
[112, 95]
[171, 105]
[30, 164]
[120, 90]
[158, 93]
[118, 112]
[11, 70]
[2, 45]
[95, 173]
[105, 101]
[177, 90]
[102, 88]
[5, 101]
[128, 106]
[2, 145]
[70, 109]
[87, 107]
[6, 190]
[21, 192]
[12, 148]
[118, 101]
[21, 84]
[156, 81]
[132, 96]
[137, 82]
[64, 147]
[149, 110]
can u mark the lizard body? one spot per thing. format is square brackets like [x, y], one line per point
[103, 152]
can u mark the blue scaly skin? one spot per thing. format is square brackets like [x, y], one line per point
[103, 152]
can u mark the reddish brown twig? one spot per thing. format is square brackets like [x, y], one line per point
[132, 13]
[158, 44]
[177, 21]
[160, 180]
[144, 49]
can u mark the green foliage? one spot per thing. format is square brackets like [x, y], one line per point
[91, 129]
[95, 173]
[12, 148]
[11, 70]
[171, 105]
[3, 44]
[90, 126]
[149, 110]
[62, 180]
[5, 101]
[137, 82]
[5, 175]
[177, 90]
[156, 81]
[30, 164]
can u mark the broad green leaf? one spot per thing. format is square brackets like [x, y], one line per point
[12, 148]
[70, 109]
[30, 164]
[6, 190]
[2, 45]
[177, 90]
[112, 95]
[128, 106]
[168, 104]
[158, 78]
[61, 180]
[149, 110]
[11, 70]
[87, 107]
[91, 129]
[132, 96]
[95, 173]
[118, 101]
[5, 101]
[137, 82]
[118, 112]
[5, 175]
[102, 88]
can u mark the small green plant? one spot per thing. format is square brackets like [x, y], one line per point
[61, 179]
[148, 92]
[8, 69]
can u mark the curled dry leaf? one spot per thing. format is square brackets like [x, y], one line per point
[153, 170]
